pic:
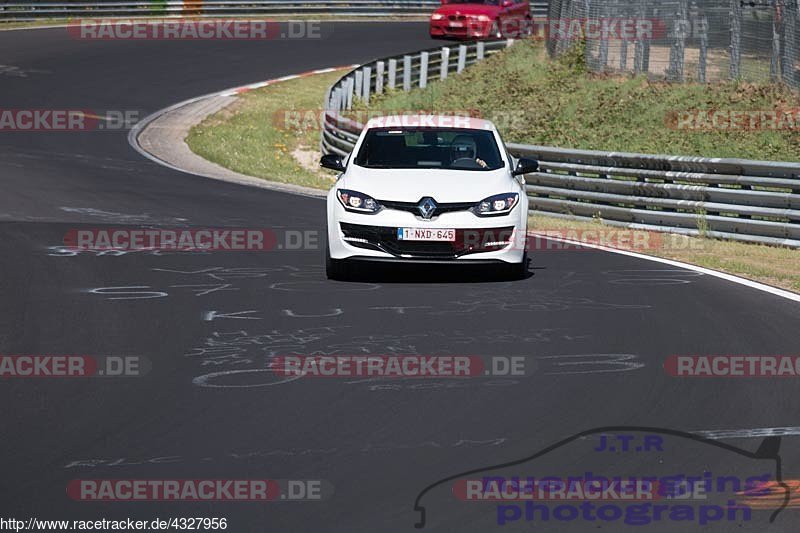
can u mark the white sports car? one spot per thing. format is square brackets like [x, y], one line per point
[428, 189]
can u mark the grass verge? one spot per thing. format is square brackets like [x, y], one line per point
[248, 136]
[535, 100]
[766, 264]
[245, 138]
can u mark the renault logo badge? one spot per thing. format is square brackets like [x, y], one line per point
[426, 207]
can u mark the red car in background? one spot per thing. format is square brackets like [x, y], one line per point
[481, 19]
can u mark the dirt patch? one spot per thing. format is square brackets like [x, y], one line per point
[309, 160]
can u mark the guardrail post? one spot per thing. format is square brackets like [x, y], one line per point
[365, 85]
[359, 82]
[736, 38]
[775, 69]
[348, 91]
[638, 45]
[392, 73]
[790, 43]
[462, 57]
[701, 67]
[337, 99]
[423, 70]
[677, 51]
[602, 53]
[479, 50]
[406, 73]
[379, 66]
[445, 65]
[555, 35]
[569, 13]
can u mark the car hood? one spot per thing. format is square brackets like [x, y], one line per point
[444, 186]
[468, 9]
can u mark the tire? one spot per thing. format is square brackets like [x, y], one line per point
[527, 30]
[494, 31]
[518, 271]
[336, 269]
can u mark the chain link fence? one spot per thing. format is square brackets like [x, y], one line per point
[681, 40]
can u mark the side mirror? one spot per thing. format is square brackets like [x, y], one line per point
[506, 3]
[332, 161]
[525, 165]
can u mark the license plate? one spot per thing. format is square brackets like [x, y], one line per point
[425, 234]
[456, 24]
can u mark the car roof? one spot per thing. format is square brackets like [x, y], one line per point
[429, 121]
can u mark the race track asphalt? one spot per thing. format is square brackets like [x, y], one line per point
[597, 326]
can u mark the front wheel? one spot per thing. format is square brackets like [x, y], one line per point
[336, 269]
[527, 29]
[494, 31]
[517, 271]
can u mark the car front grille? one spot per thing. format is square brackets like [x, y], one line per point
[412, 207]
[468, 241]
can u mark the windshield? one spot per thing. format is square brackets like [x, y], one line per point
[451, 148]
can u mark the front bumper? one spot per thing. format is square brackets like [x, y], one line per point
[478, 239]
[468, 241]
[460, 29]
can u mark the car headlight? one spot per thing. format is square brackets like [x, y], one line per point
[437, 16]
[483, 18]
[357, 202]
[499, 204]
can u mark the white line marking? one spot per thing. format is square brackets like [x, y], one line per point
[749, 433]
[722, 275]
[208, 316]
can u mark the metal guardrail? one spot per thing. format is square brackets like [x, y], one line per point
[399, 72]
[738, 199]
[31, 10]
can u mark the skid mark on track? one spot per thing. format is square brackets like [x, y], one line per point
[257, 454]
[122, 218]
